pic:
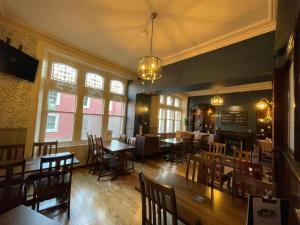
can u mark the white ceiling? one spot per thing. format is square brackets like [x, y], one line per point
[114, 29]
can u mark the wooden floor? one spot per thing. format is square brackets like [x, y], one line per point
[115, 202]
[106, 202]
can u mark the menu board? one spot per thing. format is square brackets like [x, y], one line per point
[235, 118]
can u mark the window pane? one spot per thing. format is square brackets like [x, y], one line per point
[94, 80]
[169, 100]
[169, 126]
[177, 125]
[59, 127]
[162, 113]
[177, 115]
[116, 108]
[91, 124]
[115, 124]
[177, 102]
[63, 73]
[116, 87]
[161, 125]
[92, 105]
[61, 102]
[170, 114]
[162, 99]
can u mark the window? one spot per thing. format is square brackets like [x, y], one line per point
[52, 122]
[86, 102]
[54, 98]
[162, 99]
[93, 80]
[117, 87]
[92, 117]
[60, 118]
[116, 118]
[169, 100]
[177, 102]
[162, 121]
[64, 73]
[170, 121]
[177, 121]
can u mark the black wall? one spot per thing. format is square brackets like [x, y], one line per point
[235, 102]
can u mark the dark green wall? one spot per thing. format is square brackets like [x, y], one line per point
[244, 101]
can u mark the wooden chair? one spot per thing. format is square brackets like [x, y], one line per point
[54, 181]
[187, 145]
[91, 152]
[158, 203]
[12, 152]
[129, 155]
[122, 138]
[246, 185]
[218, 148]
[12, 190]
[203, 170]
[247, 169]
[106, 163]
[242, 155]
[220, 177]
[44, 148]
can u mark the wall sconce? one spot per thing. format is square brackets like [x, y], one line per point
[142, 109]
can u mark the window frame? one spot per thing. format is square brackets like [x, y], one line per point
[116, 92]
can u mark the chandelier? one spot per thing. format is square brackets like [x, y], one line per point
[217, 100]
[150, 67]
[263, 103]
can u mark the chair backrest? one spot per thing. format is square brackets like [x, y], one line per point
[132, 141]
[250, 186]
[242, 155]
[91, 143]
[157, 201]
[219, 168]
[187, 144]
[57, 169]
[247, 169]
[122, 138]
[12, 184]
[99, 147]
[218, 148]
[44, 148]
[203, 170]
[12, 152]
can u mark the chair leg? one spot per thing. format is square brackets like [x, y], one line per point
[69, 205]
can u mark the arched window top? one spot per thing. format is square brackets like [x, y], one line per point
[94, 80]
[64, 73]
[117, 87]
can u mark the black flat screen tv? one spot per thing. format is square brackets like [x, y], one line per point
[16, 63]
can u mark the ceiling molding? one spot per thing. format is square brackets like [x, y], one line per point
[222, 41]
[104, 64]
[233, 89]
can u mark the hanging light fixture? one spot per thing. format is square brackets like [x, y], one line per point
[217, 100]
[150, 67]
[263, 103]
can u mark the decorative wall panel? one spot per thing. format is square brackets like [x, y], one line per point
[15, 94]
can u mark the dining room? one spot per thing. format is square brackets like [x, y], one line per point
[149, 112]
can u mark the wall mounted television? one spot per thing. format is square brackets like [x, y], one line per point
[16, 63]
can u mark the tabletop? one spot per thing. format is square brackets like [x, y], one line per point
[199, 201]
[22, 215]
[172, 140]
[117, 146]
[33, 164]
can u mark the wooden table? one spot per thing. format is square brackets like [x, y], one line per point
[22, 215]
[212, 208]
[33, 164]
[119, 148]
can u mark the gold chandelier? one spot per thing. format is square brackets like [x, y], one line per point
[150, 67]
[217, 100]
